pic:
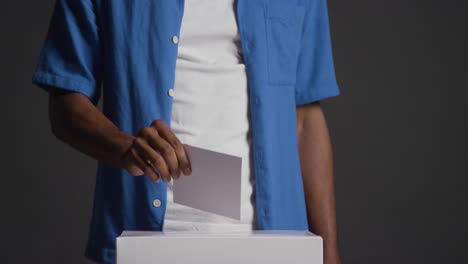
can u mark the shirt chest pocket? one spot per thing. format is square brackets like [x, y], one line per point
[283, 22]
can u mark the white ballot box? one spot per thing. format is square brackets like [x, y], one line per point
[256, 247]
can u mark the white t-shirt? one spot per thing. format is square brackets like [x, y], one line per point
[210, 107]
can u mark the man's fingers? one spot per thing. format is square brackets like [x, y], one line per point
[148, 170]
[181, 154]
[152, 158]
[187, 165]
[134, 170]
[153, 137]
[129, 164]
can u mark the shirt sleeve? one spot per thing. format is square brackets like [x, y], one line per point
[70, 58]
[315, 73]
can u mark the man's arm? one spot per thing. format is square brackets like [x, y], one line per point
[70, 68]
[317, 172]
[77, 121]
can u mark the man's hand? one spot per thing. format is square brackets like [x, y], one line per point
[77, 121]
[157, 148]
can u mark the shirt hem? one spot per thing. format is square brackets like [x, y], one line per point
[84, 87]
[314, 97]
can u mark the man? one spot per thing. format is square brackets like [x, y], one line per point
[130, 48]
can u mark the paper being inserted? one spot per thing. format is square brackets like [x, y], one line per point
[214, 184]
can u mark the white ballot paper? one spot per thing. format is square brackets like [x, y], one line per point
[214, 185]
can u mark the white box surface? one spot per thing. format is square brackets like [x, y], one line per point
[256, 247]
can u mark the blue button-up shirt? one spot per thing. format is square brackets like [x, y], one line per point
[123, 52]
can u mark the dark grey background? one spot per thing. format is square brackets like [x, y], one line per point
[399, 133]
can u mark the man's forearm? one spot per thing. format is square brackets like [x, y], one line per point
[78, 122]
[317, 172]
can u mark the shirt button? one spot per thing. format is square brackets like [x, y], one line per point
[175, 39]
[170, 92]
[157, 203]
